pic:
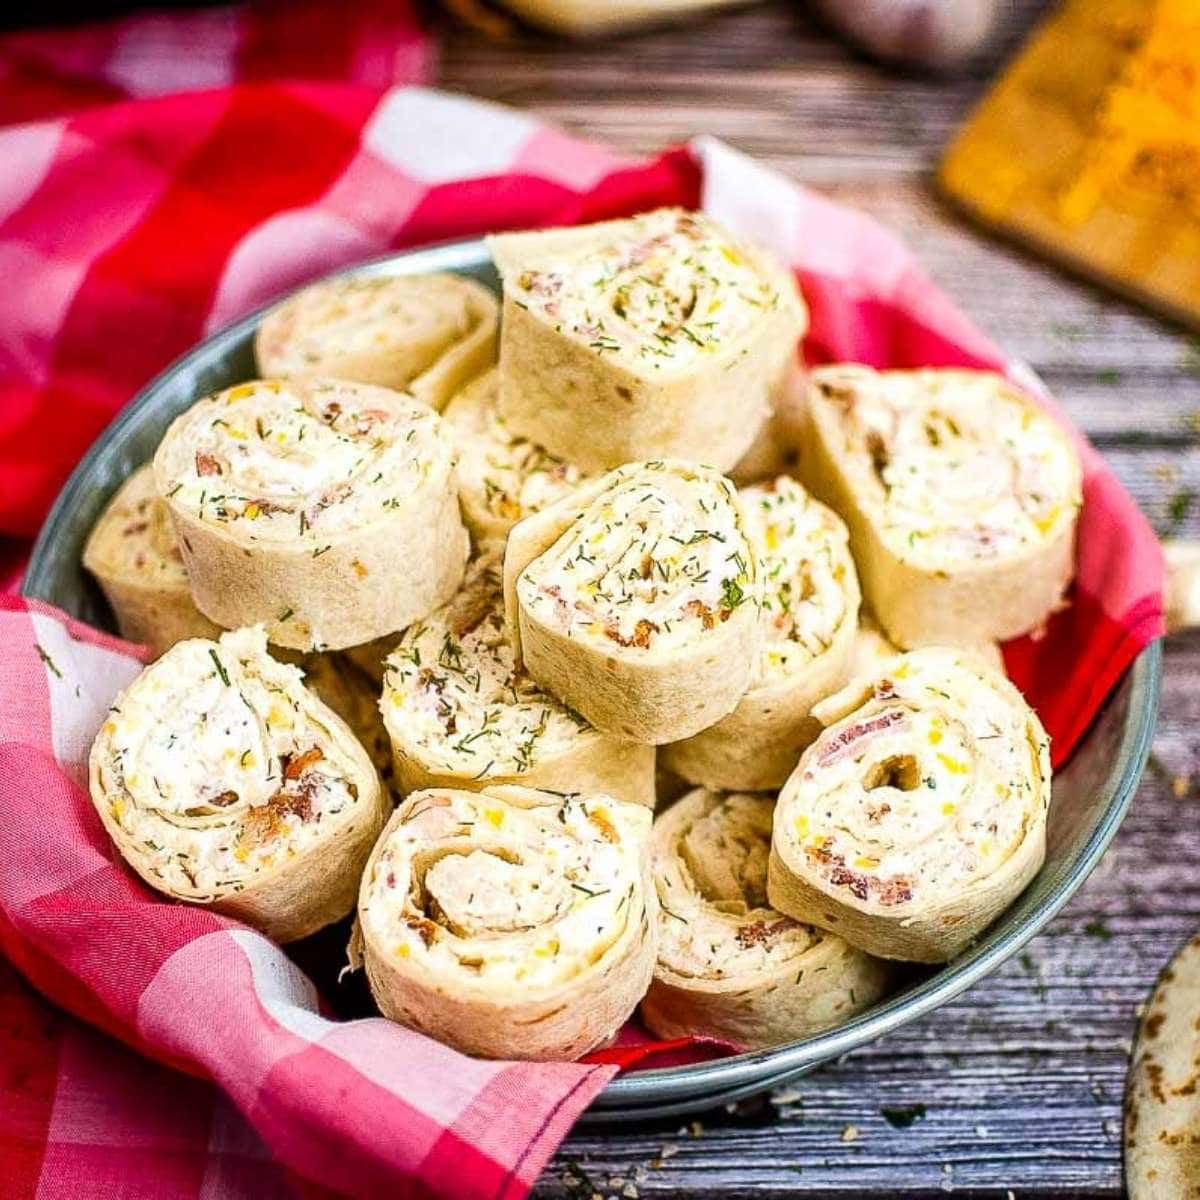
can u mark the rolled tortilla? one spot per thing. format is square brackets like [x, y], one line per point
[729, 965]
[810, 617]
[510, 923]
[461, 713]
[502, 478]
[338, 682]
[369, 658]
[425, 334]
[960, 493]
[1162, 1101]
[325, 511]
[223, 781]
[874, 653]
[134, 554]
[776, 449]
[919, 814]
[658, 336]
[635, 600]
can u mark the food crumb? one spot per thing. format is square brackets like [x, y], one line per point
[1179, 785]
[786, 1096]
[850, 1133]
[629, 1191]
[981, 1131]
[696, 1129]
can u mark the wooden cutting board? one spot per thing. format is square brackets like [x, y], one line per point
[1088, 149]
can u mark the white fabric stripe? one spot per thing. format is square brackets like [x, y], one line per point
[265, 263]
[157, 54]
[436, 137]
[750, 200]
[84, 680]
[285, 991]
[27, 152]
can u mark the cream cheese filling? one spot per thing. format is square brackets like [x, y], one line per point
[807, 576]
[716, 922]
[283, 459]
[490, 896]
[932, 782]
[667, 290]
[655, 562]
[962, 470]
[455, 698]
[217, 766]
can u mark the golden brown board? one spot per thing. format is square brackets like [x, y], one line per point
[1088, 149]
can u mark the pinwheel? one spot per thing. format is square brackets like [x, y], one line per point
[326, 511]
[919, 814]
[461, 712]
[510, 923]
[635, 600]
[425, 334]
[657, 336]
[223, 781]
[729, 965]
[134, 555]
[960, 493]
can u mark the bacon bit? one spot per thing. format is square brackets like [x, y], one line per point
[333, 410]
[846, 739]
[647, 566]
[296, 764]
[471, 607]
[641, 634]
[820, 854]
[299, 804]
[759, 933]
[607, 829]
[896, 891]
[885, 689]
[426, 928]
[225, 799]
[844, 877]
[391, 879]
[206, 464]
[708, 618]
[261, 824]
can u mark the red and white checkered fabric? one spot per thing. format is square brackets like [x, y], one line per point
[132, 222]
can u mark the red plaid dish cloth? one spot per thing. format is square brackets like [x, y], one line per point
[128, 230]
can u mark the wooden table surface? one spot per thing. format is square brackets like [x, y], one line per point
[1020, 1080]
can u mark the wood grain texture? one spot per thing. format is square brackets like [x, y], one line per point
[1022, 1077]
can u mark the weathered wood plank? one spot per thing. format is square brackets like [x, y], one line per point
[768, 78]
